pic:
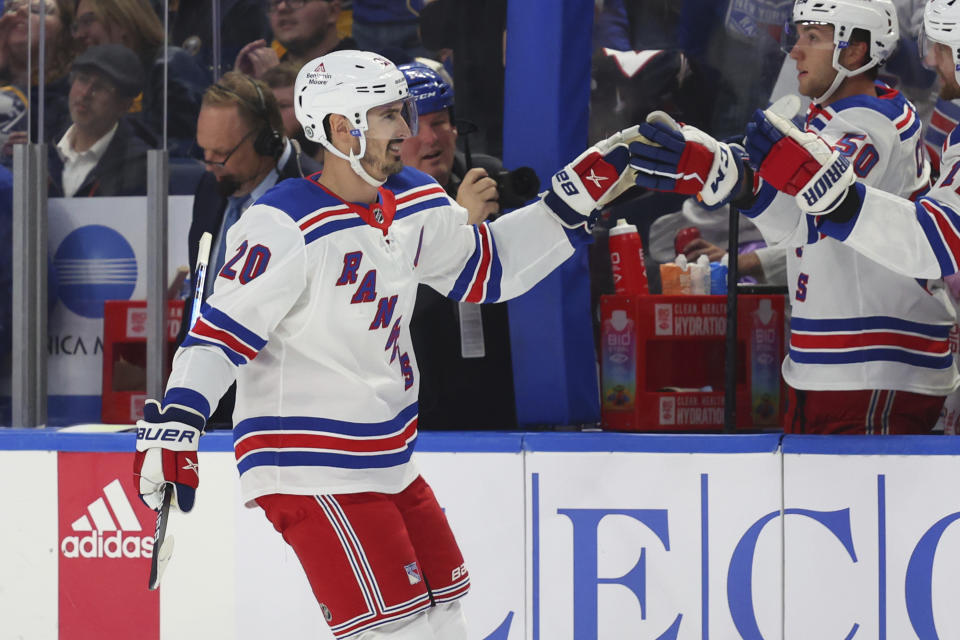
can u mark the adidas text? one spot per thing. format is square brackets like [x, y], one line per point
[110, 545]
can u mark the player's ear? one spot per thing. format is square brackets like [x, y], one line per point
[340, 131]
[855, 55]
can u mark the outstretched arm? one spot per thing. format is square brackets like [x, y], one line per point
[496, 261]
[917, 239]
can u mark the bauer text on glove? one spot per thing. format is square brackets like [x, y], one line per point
[167, 440]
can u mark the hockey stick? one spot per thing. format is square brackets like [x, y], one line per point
[162, 545]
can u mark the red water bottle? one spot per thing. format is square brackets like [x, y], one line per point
[626, 258]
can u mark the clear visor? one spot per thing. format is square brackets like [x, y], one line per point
[392, 120]
[925, 48]
[928, 49]
[811, 35]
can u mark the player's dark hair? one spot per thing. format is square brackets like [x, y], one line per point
[862, 35]
[326, 128]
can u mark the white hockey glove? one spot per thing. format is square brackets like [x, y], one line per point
[595, 178]
[798, 163]
[167, 442]
[682, 159]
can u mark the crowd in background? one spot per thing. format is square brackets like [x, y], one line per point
[123, 75]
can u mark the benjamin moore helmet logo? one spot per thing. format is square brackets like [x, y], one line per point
[94, 263]
[104, 537]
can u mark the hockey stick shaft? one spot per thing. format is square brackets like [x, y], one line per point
[159, 560]
[200, 276]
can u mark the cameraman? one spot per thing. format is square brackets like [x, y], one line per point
[434, 149]
[460, 347]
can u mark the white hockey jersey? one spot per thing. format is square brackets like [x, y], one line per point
[857, 322]
[310, 315]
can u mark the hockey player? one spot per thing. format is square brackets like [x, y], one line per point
[310, 314]
[916, 239]
[869, 349]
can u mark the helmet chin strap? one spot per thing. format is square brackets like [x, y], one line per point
[839, 78]
[354, 160]
[360, 171]
[842, 74]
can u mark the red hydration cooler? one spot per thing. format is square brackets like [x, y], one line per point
[125, 356]
[662, 362]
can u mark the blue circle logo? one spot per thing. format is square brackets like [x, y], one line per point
[94, 263]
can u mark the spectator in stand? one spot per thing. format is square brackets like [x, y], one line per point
[99, 155]
[302, 30]
[457, 344]
[133, 24]
[241, 21]
[388, 24]
[281, 79]
[246, 153]
[15, 51]
[475, 32]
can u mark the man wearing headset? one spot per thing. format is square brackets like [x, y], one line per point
[240, 131]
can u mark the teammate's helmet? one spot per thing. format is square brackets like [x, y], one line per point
[428, 88]
[941, 23]
[877, 17]
[348, 83]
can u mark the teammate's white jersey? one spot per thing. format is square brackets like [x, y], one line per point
[311, 313]
[858, 324]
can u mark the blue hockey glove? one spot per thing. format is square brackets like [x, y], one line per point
[682, 159]
[167, 442]
[595, 178]
[798, 163]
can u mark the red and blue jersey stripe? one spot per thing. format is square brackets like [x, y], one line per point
[907, 123]
[326, 220]
[479, 281]
[943, 121]
[888, 102]
[941, 225]
[420, 198]
[293, 441]
[215, 328]
[870, 339]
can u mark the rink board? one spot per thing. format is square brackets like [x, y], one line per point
[566, 536]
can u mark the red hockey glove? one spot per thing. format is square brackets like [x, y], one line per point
[798, 163]
[595, 178]
[682, 159]
[167, 442]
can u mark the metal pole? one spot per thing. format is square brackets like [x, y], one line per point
[730, 359]
[29, 366]
[215, 39]
[157, 181]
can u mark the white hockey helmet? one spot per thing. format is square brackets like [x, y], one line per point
[941, 23]
[349, 83]
[877, 17]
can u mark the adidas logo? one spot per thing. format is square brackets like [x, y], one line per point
[112, 518]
